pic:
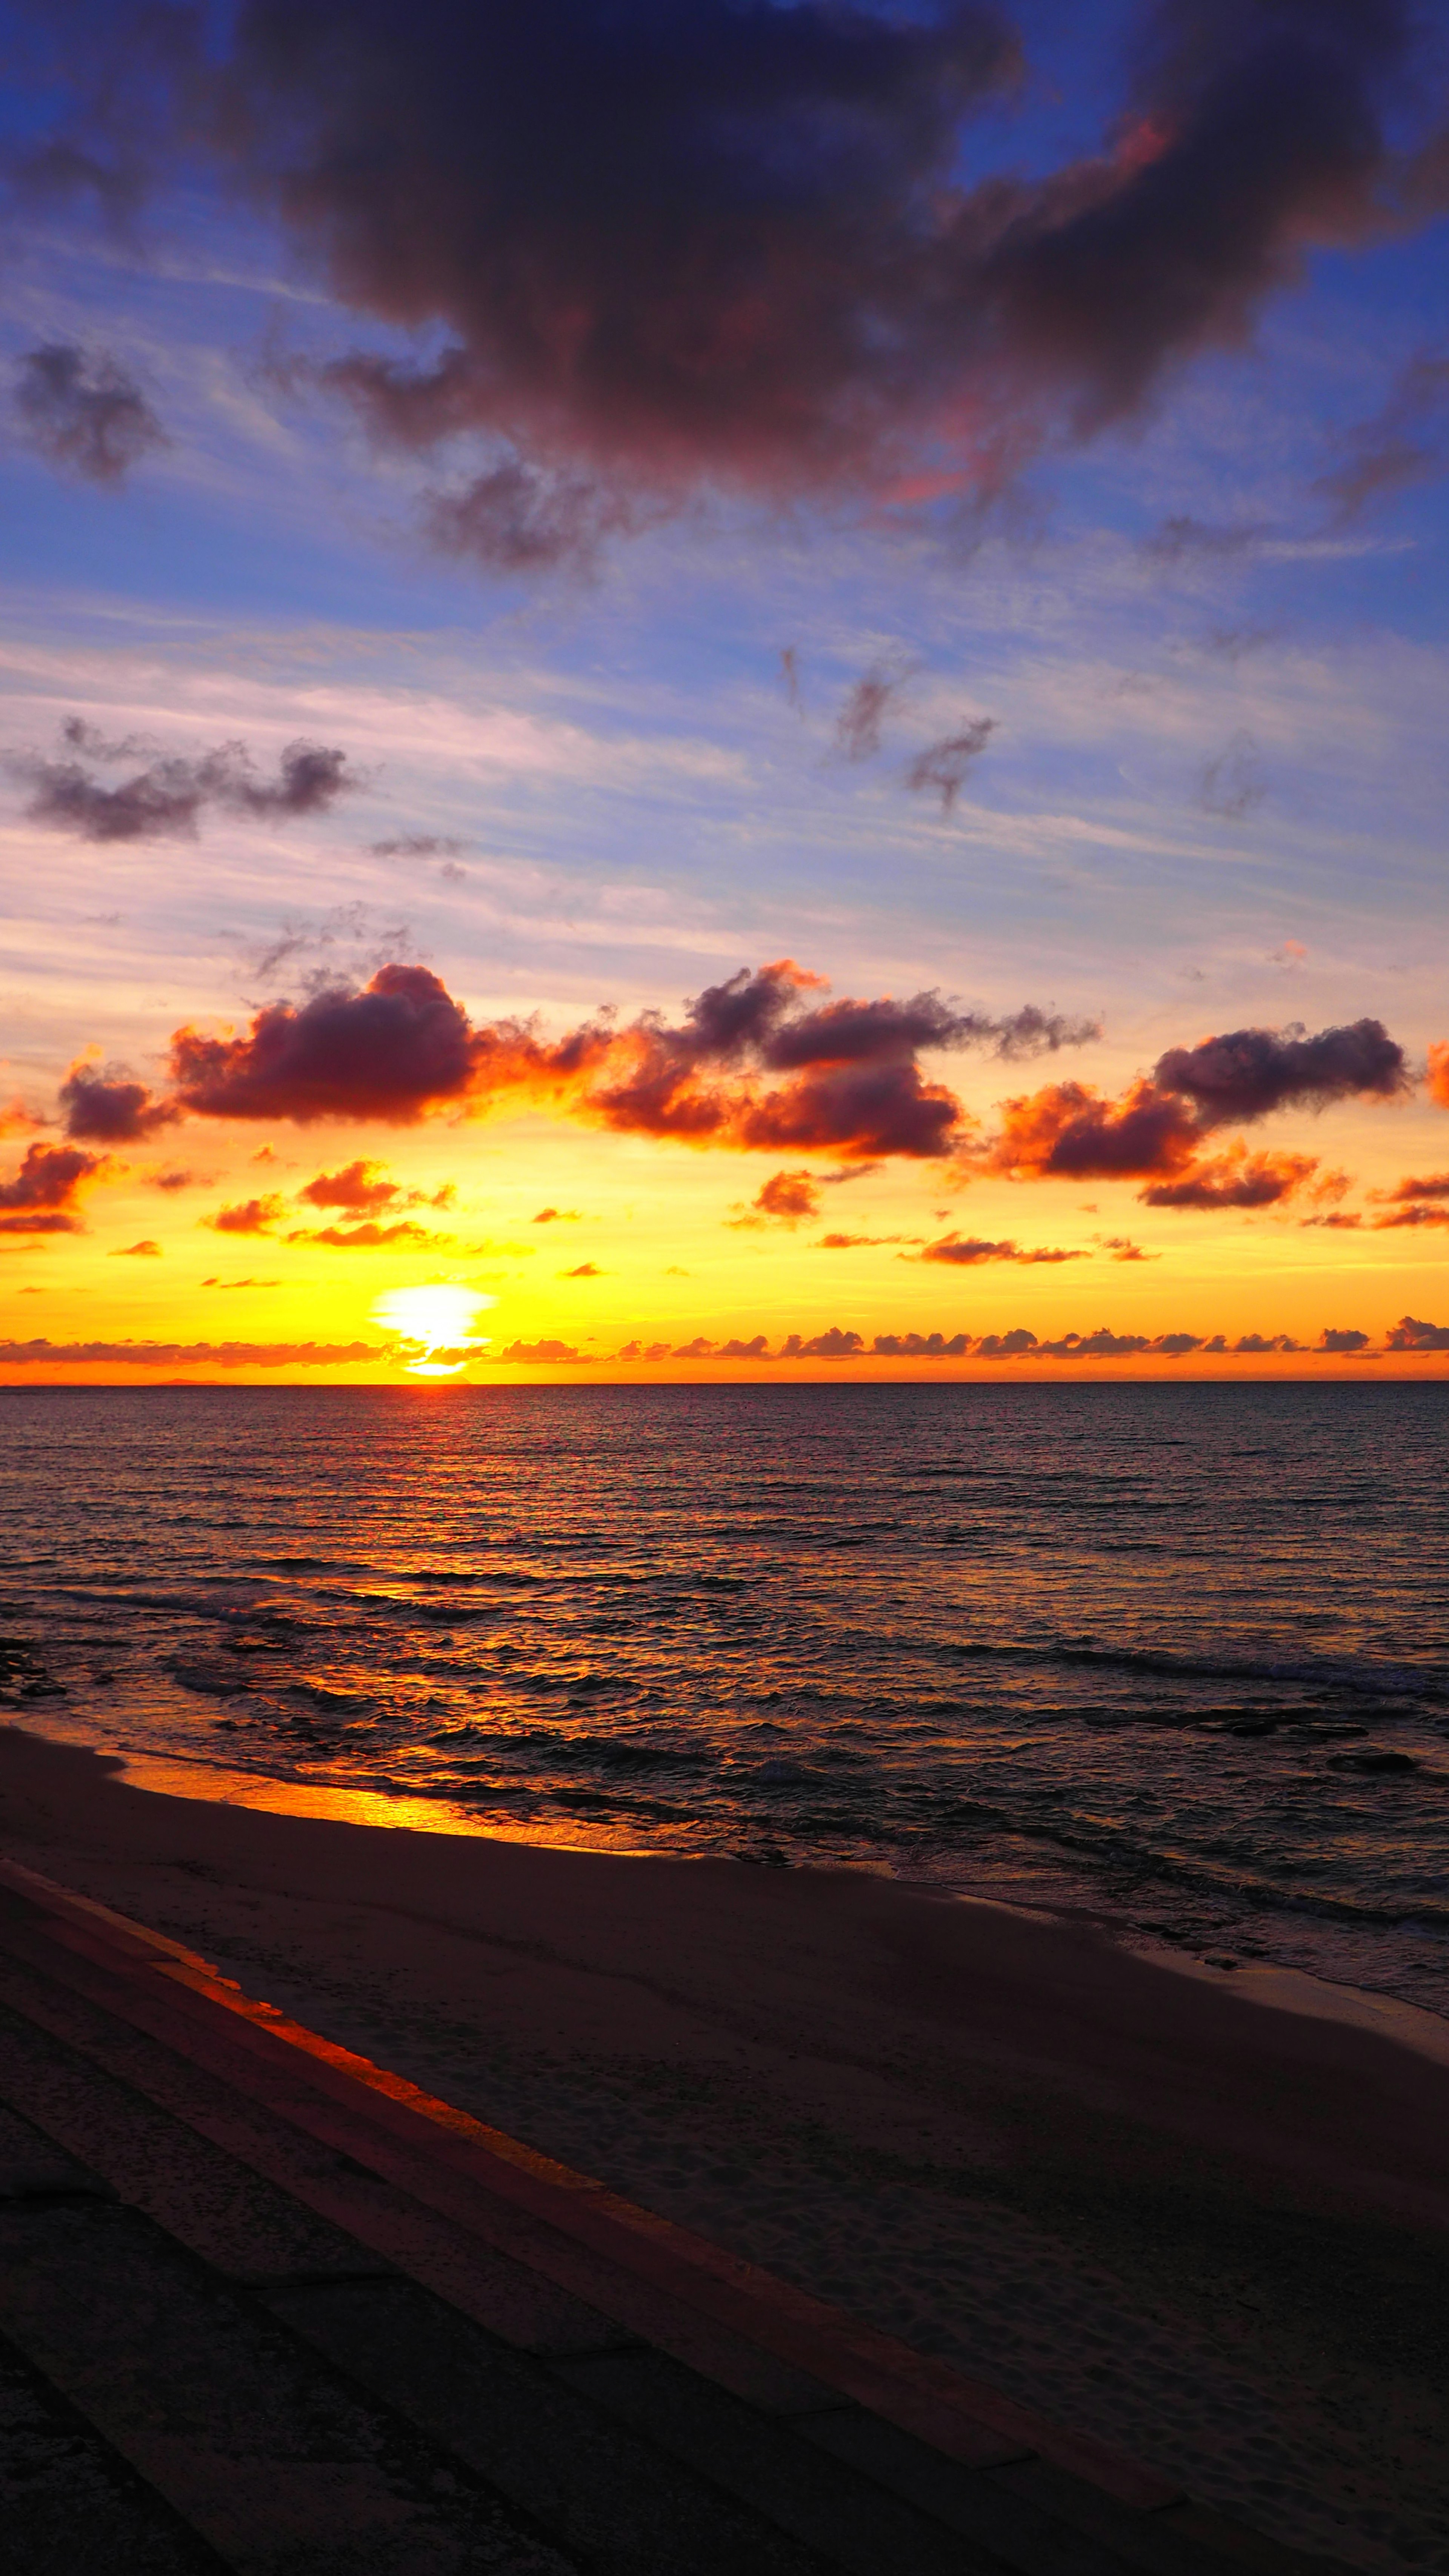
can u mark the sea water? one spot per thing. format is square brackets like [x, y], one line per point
[1176, 1655]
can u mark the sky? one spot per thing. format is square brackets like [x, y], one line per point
[732, 691]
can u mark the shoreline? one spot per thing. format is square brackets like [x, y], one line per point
[1270, 1986]
[1209, 2224]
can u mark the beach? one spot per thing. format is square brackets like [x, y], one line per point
[1198, 2212]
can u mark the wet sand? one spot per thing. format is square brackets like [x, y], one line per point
[1204, 2215]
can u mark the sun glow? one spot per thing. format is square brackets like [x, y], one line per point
[432, 1321]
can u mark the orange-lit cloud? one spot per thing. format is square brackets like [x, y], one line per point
[248, 1216]
[1439, 1072]
[752, 1065]
[41, 1197]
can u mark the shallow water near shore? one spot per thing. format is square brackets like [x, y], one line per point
[1177, 1655]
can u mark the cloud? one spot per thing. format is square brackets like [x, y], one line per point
[1435, 1185]
[1235, 1180]
[944, 767]
[518, 518]
[858, 725]
[1422, 1213]
[417, 845]
[361, 1187]
[174, 1179]
[1178, 540]
[584, 1270]
[248, 1216]
[854, 1242]
[555, 1216]
[680, 249]
[84, 414]
[1231, 783]
[165, 799]
[42, 1196]
[109, 1107]
[1405, 443]
[146, 1251]
[1409, 1334]
[969, 1250]
[1021, 1344]
[784, 1199]
[538, 1354]
[1121, 1247]
[369, 1236]
[756, 1064]
[1439, 1072]
[170, 1355]
[1157, 1129]
[1249, 1072]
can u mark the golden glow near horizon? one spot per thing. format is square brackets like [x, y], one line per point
[432, 1319]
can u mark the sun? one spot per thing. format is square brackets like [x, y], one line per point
[437, 1318]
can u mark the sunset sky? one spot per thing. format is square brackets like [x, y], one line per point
[762, 686]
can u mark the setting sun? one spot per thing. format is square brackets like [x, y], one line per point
[434, 1319]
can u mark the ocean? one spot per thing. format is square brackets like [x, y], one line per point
[1175, 1657]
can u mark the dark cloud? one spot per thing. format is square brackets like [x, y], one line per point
[1157, 1129]
[84, 414]
[1256, 1346]
[858, 725]
[944, 768]
[417, 845]
[391, 1052]
[248, 1216]
[1343, 1345]
[166, 799]
[42, 1196]
[146, 1251]
[1405, 443]
[790, 672]
[109, 1107]
[754, 1064]
[967, 1251]
[1120, 1247]
[518, 518]
[1409, 1334]
[174, 1180]
[1249, 1072]
[922, 1346]
[42, 1354]
[677, 248]
[755, 1349]
[1423, 1212]
[1231, 783]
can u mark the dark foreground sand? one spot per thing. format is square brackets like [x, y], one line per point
[1203, 2215]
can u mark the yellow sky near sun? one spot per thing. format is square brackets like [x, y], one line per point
[651, 1243]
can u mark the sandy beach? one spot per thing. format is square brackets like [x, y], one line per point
[1201, 2214]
